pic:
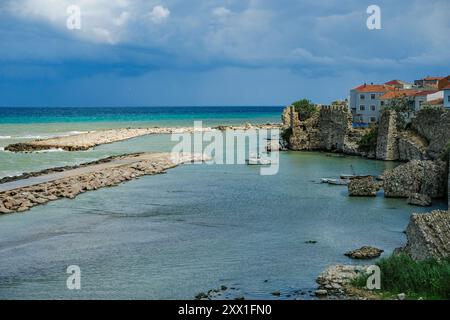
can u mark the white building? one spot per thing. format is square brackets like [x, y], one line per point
[365, 104]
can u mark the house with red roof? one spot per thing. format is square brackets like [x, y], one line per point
[365, 103]
[399, 84]
[432, 82]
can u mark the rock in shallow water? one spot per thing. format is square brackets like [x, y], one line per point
[364, 253]
[363, 187]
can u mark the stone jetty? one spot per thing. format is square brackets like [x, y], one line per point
[21, 195]
[88, 140]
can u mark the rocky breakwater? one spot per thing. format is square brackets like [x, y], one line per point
[73, 182]
[86, 141]
[428, 236]
[415, 178]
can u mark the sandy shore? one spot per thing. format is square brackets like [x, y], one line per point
[86, 141]
[23, 194]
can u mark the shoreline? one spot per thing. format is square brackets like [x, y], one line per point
[91, 139]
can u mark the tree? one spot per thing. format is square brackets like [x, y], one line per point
[305, 108]
[403, 106]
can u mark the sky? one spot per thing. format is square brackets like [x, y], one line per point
[211, 52]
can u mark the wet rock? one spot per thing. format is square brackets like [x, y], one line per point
[401, 296]
[223, 288]
[3, 209]
[321, 292]
[334, 279]
[421, 200]
[201, 296]
[363, 187]
[365, 252]
[276, 293]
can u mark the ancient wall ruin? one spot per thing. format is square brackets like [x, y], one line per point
[328, 129]
[387, 143]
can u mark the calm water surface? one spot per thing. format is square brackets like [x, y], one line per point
[196, 228]
[193, 229]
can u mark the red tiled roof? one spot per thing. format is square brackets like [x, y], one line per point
[398, 94]
[433, 78]
[374, 88]
[394, 82]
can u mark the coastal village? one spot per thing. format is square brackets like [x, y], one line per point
[394, 121]
[367, 100]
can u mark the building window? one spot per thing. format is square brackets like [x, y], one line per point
[373, 119]
[353, 110]
[448, 98]
[362, 108]
[362, 97]
[372, 96]
[382, 103]
[373, 108]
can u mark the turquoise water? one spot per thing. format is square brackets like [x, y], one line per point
[25, 124]
[194, 229]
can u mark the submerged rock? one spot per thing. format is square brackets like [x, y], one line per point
[365, 252]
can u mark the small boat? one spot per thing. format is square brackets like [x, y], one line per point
[258, 161]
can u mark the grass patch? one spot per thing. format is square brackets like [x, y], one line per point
[429, 279]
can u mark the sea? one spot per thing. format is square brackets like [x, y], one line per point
[196, 228]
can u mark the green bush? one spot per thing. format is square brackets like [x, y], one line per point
[368, 142]
[429, 279]
[305, 108]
